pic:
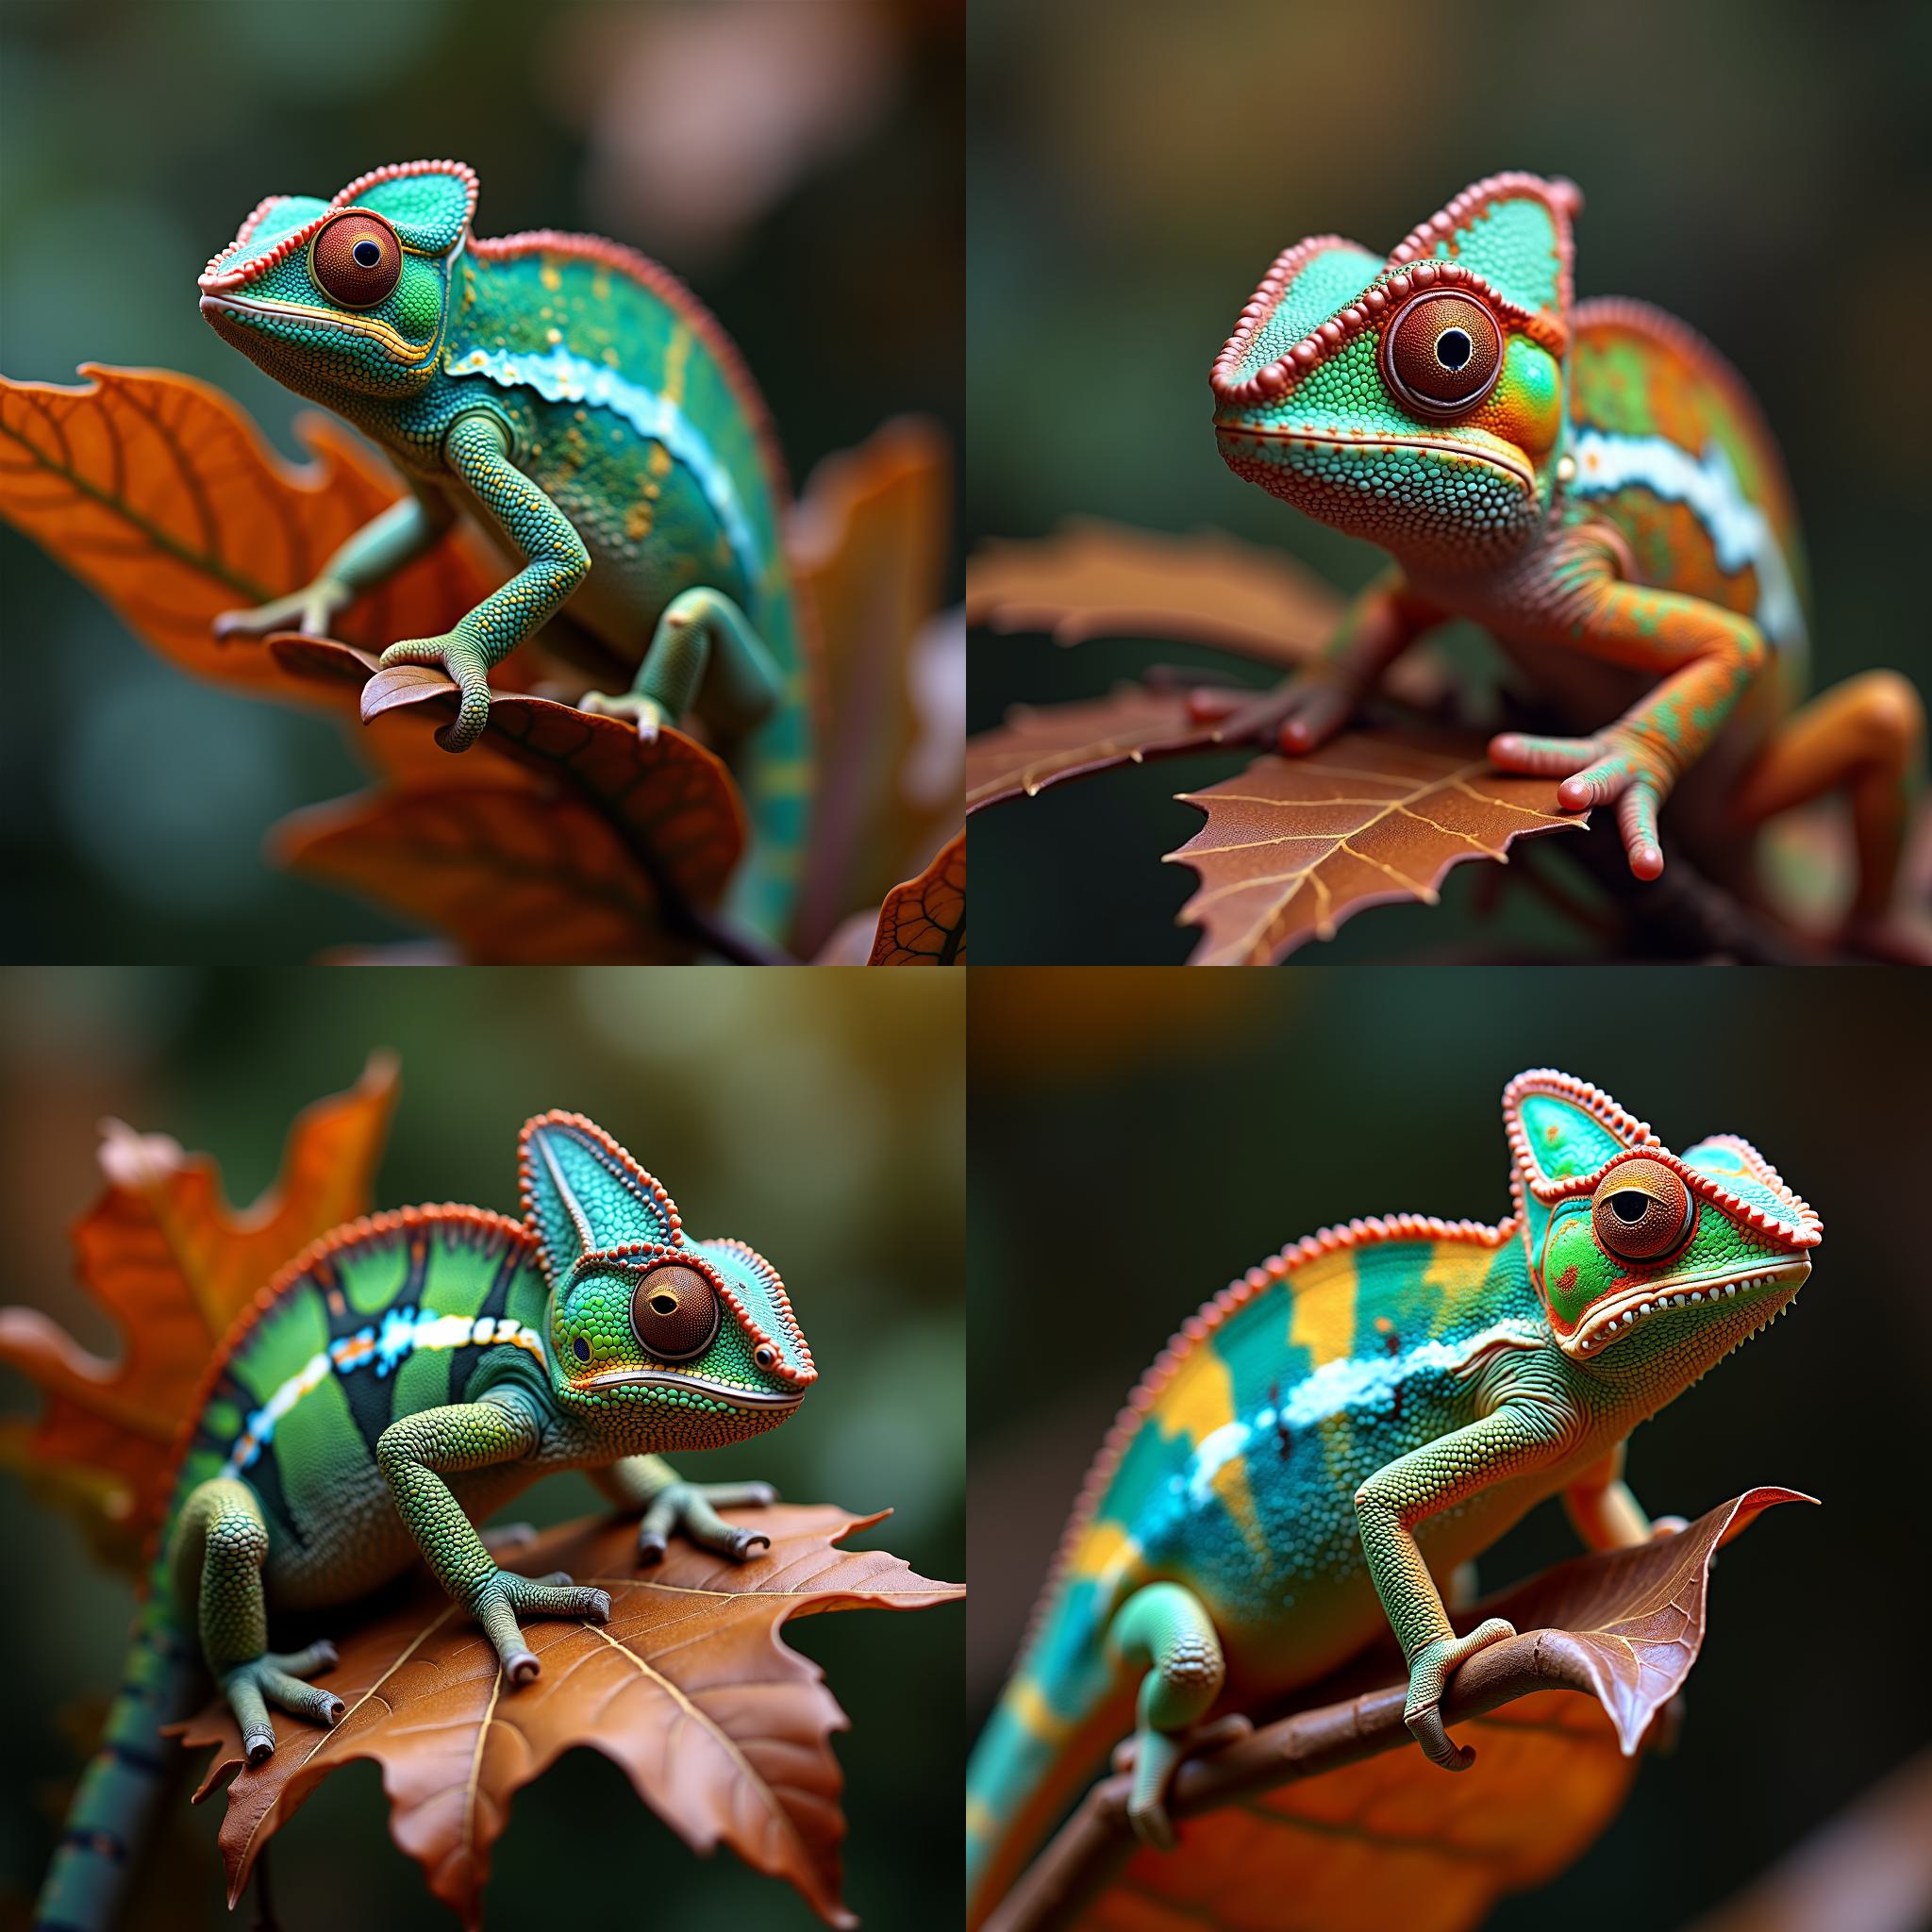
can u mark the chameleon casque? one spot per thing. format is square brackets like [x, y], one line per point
[1592, 485]
[1366, 1411]
[578, 403]
[397, 1381]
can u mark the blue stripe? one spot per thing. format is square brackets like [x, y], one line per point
[562, 377]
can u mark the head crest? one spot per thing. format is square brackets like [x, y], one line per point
[583, 1196]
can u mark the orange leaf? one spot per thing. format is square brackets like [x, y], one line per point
[160, 493]
[1293, 846]
[1039, 745]
[173, 1265]
[1298, 1828]
[922, 922]
[721, 1729]
[868, 540]
[621, 828]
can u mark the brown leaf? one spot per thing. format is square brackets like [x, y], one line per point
[173, 1265]
[869, 541]
[1293, 846]
[922, 922]
[619, 829]
[1330, 1820]
[159, 492]
[721, 1729]
[1040, 745]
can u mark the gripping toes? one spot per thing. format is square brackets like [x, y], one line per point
[1298, 716]
[464, 663]
[693, 1508]
[279, 1679]
[507, 1596]
[1434, 1664]
[1597, 771]
[310, 610]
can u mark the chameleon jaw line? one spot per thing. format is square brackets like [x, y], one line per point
[1503, 461]
[315, 318]
[697, 1385]
[1619, 1316]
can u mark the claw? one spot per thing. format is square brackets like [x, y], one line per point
[522, 1668]
[650, 1546]
[260, 1747]
[743, 1542]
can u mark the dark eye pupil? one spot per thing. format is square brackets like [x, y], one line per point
[664, 1303]
[581, 1349]
[367, 252]
[1453, 346]
[1629, 1206]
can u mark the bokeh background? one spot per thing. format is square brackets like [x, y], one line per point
[1257, 1109]
[1758, 167]
[819, 1116]
[797, 162]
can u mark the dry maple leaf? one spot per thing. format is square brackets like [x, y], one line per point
[173, 1265]
[720, 1728]
[922, 922]
[621, 837]
[160, 493]
[1040, 745]
[1330, 1820]
[1293, 846]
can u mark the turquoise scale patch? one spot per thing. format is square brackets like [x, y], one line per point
[1330, 282]
[562, 377]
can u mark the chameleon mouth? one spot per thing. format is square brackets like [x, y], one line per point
[1615, 1318]
[214, 307]
[1503, 461]
[737, 1396]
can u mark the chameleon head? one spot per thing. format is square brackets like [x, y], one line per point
[1648, 1263]
[1415, 401]
[655, 1338]
[347, 297]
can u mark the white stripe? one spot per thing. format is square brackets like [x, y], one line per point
[562, 377]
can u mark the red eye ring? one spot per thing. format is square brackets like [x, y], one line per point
[674, 1312]
[356, 258]
[1441, 352]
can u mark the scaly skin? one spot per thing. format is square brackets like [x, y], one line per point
[576, 403]
[1592, 484]
[1368, 1411]
[398, 1381]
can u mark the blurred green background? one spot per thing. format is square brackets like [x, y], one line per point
[1760, 168]
[798, 161]
[1140, 1138]
[819, 1116]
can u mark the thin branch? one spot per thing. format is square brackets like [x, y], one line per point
[1097, 1840]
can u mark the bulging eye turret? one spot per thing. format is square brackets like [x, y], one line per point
[1641, 1210]
[675, 1312]
[1442, 353]
[356, 258]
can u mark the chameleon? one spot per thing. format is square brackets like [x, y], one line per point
[400, 1378]
[1594, 486]
[574, 401]
[1368, 1411]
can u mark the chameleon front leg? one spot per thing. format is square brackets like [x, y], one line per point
[414, 1454]
[670, 1505]
[1166, 1627]
[1713, 656]
[1309, 708]
[217, 1550]
[1605, 1511]
[704, 655]
[374, 555]
[1519, 1436]
[476, 448]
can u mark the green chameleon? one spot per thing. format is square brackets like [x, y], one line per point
[578, 403]
[399, 1380]
[1368, 1411]
[1594, 486]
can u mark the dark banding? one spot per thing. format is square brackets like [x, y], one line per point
[494, 1304]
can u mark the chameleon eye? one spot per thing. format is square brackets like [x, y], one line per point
[1442, 353]
[675, 1312]
[356, 258]
[1641, 1210]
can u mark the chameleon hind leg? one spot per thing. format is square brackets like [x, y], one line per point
[703, 656]
[219, 1545]
[1166, 1627]
[670, 1505]
[1865, 737]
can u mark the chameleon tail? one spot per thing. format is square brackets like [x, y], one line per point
[123, 1785]
[776, 771]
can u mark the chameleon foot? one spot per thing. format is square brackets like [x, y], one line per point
[310, 610]
[1298, 716]
[463, 662]
[1429, 1672]
[648, 715]
[1153, 1757]
[693, 1508]
[507, 1593]
[1613, 765]
[276, 1678]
